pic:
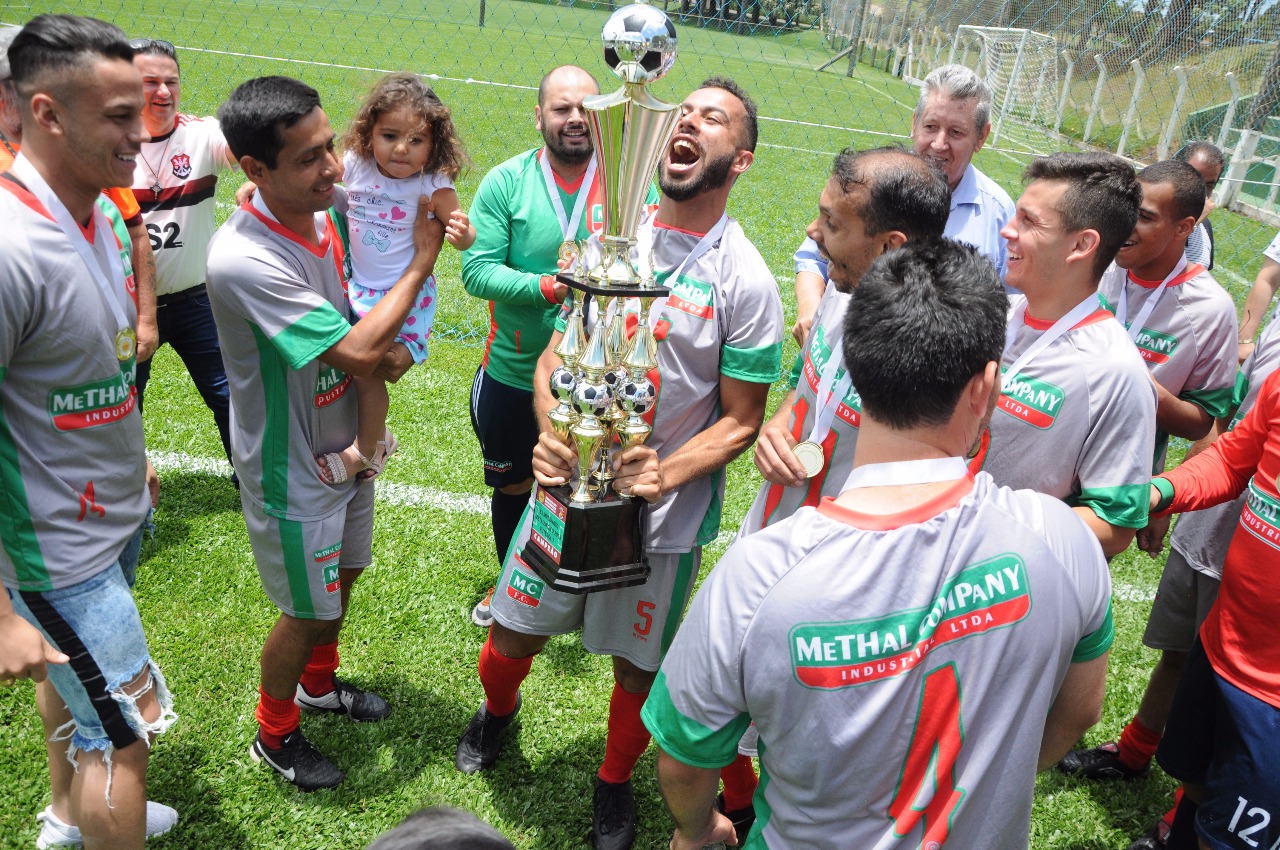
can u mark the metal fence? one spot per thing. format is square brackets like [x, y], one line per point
[1133, 78]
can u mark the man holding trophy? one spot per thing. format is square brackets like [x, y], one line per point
[715, 337]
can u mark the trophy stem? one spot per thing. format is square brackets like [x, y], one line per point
[588, 435]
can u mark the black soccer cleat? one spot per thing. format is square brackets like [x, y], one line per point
[345, 698]
[1102, 762]
[613, 816]
[298, 761]
[481, 741]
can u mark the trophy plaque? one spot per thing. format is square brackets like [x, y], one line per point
[586, 535]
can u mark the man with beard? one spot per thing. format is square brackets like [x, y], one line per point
[719, 345]
[523, 212]
[950, 125]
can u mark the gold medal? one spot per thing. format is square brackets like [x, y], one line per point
[568, 250]
[126, 344]
[811, 457]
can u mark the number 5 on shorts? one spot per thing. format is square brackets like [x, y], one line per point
[934, 743]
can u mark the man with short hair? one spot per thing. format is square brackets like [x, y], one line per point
[1076, 418]
[122, 210]
[951, 123]
[77, 494]
[523, 212]
[874, 201]
[175, 182]
[1184, 325]
[1208, 162]
[276, 285]
[718, 349]
[869, 639]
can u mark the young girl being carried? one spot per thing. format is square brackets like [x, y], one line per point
[402, 145]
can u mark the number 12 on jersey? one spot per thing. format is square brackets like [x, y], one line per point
[928, 772]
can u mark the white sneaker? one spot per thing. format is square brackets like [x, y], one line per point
[55, 833]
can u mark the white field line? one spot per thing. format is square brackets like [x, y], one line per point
[400, 495]
[1125, 592]
[417, 496]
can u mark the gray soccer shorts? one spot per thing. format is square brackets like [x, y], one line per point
[1183, 600]
[298, 561]
[636, 623]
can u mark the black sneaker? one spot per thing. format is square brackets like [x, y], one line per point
[613, 816]
[298, 761]
[481, 741]
[742, 819]
[345, 698]
[1101, 762]
[1156, 838]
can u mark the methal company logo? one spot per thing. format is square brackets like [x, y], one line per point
[986, 596]
[92, 404]
[1261, 515]
[693, 297]
[1032, 400]
[331, 385]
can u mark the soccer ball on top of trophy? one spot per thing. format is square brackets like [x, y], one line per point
[586, 536]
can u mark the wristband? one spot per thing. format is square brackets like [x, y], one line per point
[1253, 341]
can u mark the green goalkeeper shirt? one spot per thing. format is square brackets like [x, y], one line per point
[518, 238]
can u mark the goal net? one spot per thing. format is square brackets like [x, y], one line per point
[1020, 65]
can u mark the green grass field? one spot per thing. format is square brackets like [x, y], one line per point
[409, 634]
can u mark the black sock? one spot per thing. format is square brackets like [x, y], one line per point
[1183, 835]
[507, 510]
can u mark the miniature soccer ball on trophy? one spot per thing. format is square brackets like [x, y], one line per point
[587, 536]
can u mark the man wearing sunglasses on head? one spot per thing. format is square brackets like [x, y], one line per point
[175, 179]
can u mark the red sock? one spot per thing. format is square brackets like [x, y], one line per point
[739, 777]
[276, 718]
[627, 737]
[501, 677]
[317, 676]
[1167, 818]
[1137, 745]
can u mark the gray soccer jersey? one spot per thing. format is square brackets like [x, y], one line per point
[899, 669]
[279, 303]
[1188, 341]
[1203, 536]
[775, 502]
[722, 318]
[1079, 423]
[72, 463]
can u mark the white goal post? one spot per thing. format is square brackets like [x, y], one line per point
[1020, 65]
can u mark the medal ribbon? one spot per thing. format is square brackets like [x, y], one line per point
[568, 226]
[906, 472]
[644, 244]
[1077, 314]
[110, 279]
[1122, 309]
[829, 399]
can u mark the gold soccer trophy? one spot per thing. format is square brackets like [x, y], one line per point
[586, 536]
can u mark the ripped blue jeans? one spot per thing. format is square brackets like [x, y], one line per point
[96, 623]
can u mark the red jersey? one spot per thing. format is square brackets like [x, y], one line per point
[1241, 635]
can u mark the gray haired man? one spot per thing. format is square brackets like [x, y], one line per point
[951, 123]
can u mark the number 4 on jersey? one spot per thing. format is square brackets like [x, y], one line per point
[926, 787]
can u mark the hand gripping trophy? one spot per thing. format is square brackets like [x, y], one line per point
[586, 536]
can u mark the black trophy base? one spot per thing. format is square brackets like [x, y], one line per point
[586, 547]
[605, 290]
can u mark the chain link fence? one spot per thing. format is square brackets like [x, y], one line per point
[1139, 79]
